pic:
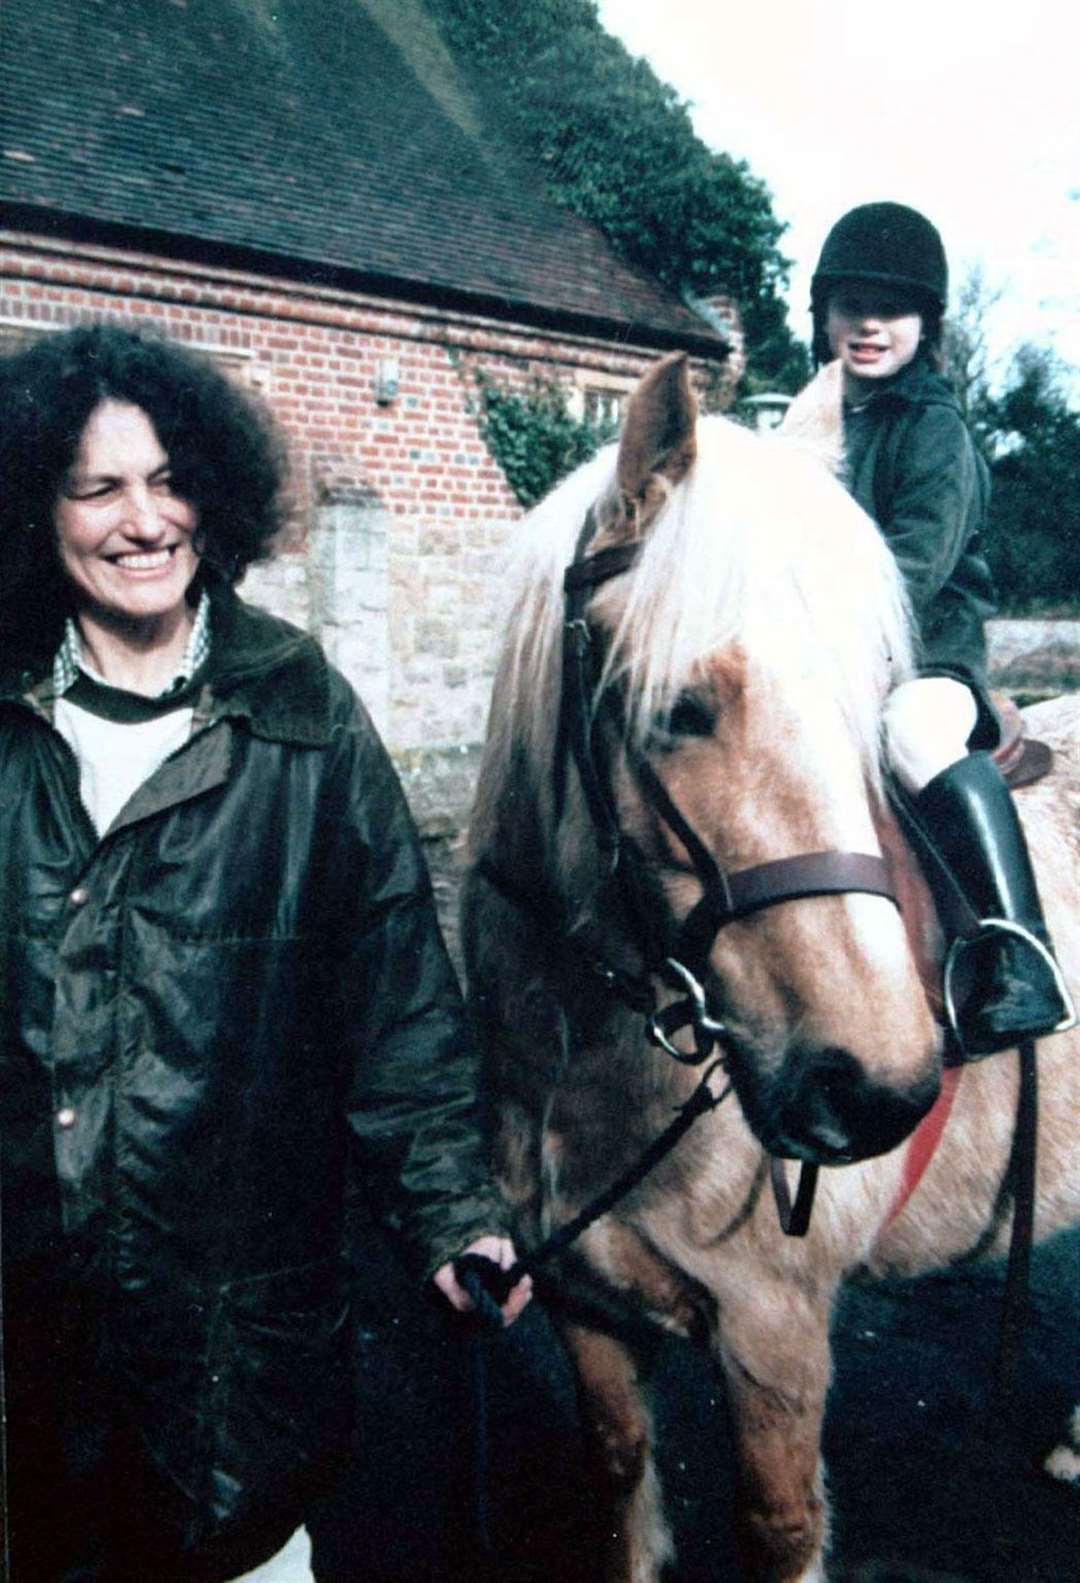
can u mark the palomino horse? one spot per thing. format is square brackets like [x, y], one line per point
[741, 622]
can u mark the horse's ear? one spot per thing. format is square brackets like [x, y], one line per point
[658, 442]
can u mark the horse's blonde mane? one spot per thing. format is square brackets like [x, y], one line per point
[759, 547]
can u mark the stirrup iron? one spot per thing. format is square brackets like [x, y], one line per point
[987, 926]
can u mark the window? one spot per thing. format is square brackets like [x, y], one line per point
[599, 399]
[603, 407]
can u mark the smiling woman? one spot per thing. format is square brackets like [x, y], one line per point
[106, 431]
[126, 545]
[218, 957]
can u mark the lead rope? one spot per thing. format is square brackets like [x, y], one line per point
[488, 1286]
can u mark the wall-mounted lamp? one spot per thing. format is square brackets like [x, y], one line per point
[387, 377]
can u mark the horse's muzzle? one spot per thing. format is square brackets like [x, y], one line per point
[833, 1113]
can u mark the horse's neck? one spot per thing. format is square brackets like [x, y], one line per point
[916, 903]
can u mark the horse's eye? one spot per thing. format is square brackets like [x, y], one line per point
[690, 717]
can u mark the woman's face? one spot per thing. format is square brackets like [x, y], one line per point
[124, 537]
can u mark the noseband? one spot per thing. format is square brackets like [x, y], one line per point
[681, 962]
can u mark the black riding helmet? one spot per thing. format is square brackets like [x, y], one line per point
[887, 243]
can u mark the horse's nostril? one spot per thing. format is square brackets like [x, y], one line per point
[836, 1111]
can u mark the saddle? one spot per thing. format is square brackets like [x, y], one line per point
[1020, 758]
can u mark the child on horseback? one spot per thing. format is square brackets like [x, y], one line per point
[877, 298]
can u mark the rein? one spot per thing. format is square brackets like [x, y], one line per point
[489, 1286]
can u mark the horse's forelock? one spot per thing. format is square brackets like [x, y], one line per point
[762, 547]
[759, 546]
[542, 547]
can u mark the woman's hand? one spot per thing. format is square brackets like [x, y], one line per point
[500, 1250]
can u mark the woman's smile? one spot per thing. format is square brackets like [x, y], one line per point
[147, 561]
[125, 536]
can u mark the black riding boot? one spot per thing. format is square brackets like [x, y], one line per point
[1008, 985]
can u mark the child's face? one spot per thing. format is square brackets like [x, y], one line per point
[873, 329]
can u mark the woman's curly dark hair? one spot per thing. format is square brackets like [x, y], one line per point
[225, 450]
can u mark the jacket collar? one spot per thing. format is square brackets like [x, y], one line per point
[263, 671]
[267, 672]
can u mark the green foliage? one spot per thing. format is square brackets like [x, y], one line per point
[533, 435]
[1030, 435]
[776, 360]
[619, 148]
[1032, 541]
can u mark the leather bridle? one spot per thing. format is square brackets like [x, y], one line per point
[725, 896]
[680, 957]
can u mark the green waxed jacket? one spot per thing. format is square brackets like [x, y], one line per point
[216, 1023]
[913, 466]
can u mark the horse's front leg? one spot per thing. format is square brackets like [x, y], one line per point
[774, 1353]
[636, 1541]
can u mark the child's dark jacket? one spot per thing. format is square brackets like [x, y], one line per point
[912, 464]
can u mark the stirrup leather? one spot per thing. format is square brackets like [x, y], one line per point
[987, 926]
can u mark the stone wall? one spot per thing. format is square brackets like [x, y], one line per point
[1034, 658]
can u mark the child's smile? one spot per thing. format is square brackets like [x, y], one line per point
[874, 330]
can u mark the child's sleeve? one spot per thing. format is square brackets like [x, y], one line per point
[938, 499]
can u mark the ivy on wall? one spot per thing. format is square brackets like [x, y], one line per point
[533, 435]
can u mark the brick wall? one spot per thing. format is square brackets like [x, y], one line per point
[400, 514]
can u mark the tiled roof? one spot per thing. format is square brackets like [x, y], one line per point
[331, 136]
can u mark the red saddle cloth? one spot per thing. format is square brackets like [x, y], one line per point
[1021, 760]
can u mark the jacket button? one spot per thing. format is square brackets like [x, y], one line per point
[79, 896]
[65, 1117]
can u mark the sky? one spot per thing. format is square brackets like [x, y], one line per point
[965, 109]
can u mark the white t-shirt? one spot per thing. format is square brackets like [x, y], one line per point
[114, 757]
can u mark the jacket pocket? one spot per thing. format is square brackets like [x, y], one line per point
[278, 1393]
